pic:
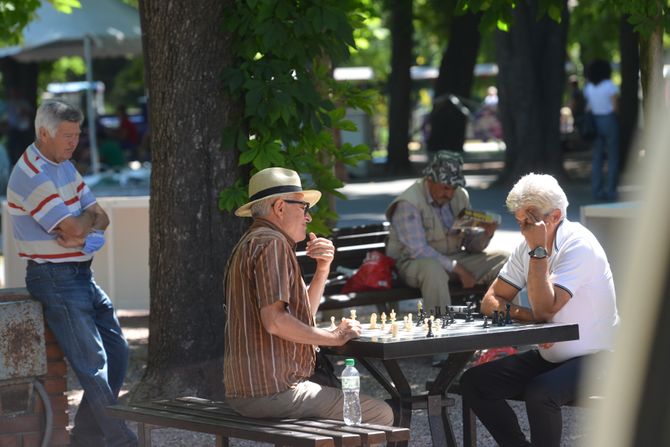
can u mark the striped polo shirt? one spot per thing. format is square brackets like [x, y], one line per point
[262, 270]
[40, 194]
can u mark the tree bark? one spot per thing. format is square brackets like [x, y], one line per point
[531, 60]
[651, 74]
[185, 50]
[447, 123]
[629, 101]
[400, 86]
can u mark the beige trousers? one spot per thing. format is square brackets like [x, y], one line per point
[309, 399]
[428, 274]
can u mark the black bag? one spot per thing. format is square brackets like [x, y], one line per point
[586, 126]
[324, 372]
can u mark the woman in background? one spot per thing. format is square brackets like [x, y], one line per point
[601, 96]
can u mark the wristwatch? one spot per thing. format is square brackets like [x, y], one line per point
[538, 253]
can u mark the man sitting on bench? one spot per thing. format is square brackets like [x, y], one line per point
[270, 335]
[421, 240]
[568, 279]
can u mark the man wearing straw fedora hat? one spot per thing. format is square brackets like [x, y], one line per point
[270, 334]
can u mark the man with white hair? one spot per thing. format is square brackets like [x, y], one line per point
[568, 279]
[270, 336]
[58, 226]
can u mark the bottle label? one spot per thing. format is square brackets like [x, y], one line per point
[351, 383]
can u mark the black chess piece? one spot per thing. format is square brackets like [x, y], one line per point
[420, 317]
[495, 318]
[430, 329]
[438, 312]
[486, 322]
[508, 318]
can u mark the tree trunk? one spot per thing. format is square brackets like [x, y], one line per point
[400, 86]
[447, 123]
[651, 73]
[629, 101]
[531, 59]
[185, 50]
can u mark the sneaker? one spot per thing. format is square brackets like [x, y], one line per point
[439, 360]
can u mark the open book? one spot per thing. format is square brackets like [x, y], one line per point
[475, 218]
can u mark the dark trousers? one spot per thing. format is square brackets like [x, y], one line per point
[543, 385]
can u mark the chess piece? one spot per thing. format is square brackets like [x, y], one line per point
[495, 318]
[373, 321]
[409, 316]
[421, 315]
[430, 328]
[486, 322]
[392, 316]
[353, 314]
[383, 321]
[408, 325]
[438, 313]
[394, 329]
[332, 323]
[508, 318]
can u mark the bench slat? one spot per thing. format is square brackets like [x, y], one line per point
[231, 429]
[225, 415]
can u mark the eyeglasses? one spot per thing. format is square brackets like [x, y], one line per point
[305, 205]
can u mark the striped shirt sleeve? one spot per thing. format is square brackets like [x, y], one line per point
[44, 203]
[271, 271]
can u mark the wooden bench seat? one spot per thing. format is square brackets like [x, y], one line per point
[206, 416]
[351, 245]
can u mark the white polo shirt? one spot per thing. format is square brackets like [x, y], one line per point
[578, 265]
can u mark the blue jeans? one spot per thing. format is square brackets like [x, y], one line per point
[606, 142]
[82, 318]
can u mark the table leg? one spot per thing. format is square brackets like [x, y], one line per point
[438, 417]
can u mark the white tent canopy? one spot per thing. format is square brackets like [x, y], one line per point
[100, 28]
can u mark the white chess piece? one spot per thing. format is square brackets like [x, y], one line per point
[383, 321]
[373, 321]
[332, 323]
[352, 314]
[392, 315]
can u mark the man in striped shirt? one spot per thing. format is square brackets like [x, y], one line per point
[270, 334]
[58, 226]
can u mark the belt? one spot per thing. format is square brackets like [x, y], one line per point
[74, 263]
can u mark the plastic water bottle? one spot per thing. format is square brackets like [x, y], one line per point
[351, 384]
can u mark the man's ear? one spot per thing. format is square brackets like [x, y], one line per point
[556, 216]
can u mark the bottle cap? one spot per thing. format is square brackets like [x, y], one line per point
[349, 362]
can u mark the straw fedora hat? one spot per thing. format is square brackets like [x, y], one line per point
[274, 182]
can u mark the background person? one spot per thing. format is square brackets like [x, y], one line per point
[568, 279]
[601, 95]
[58, 226]
[270, 334]
[421, 240]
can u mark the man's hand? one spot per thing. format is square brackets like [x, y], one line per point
[69, 241]
[489, 228]
[465, 276]
[322, 250]
[346, 330]
[534, 230]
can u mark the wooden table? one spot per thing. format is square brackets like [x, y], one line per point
[461, 340]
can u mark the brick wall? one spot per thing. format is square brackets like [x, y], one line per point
[22, 418]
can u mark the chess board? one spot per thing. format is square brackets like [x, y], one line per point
[458, 327]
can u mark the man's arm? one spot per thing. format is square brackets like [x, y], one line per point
[323, 251]
[498, 296]
[545, 298]
[280, 323]
[72, 230]
[406, 221]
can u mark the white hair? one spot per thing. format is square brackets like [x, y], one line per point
[262, 207]
[53, 112]
[541, 191]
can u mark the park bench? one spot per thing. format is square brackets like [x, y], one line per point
[352, 244]
[206, 416]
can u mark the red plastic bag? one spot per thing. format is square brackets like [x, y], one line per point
[376, 273]
[488, 355]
